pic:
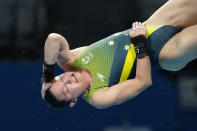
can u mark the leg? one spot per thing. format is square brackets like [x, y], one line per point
[180, 50]
[179, 13]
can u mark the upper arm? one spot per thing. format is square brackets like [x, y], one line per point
[66, 56]
[117, 94]
[66, 59]
[57, 50]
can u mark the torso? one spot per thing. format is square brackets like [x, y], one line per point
[112, 60]
[178, 13]
[106, 59]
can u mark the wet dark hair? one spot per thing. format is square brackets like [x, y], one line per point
[53, 102]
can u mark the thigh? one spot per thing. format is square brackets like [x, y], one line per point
[179, 13]
[179, 50]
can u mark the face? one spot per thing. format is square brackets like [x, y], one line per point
[68, 86]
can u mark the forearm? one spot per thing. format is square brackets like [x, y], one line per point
[125, 90]
[143, 77]
[117, 94]
[143, 71]
[54, 45]
[128, 89]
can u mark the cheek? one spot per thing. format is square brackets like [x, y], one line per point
[76, 89]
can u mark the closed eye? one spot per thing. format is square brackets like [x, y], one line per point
[64, 86]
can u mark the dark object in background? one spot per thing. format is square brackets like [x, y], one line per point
[25, 24]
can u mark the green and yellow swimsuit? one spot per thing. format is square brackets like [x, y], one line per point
[113, 59]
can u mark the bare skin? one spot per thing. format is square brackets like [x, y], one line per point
[180, 49]
[122, 92]
[71, 85]
[179, 13]
[177, 52]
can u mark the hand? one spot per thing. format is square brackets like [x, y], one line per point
[138, 29]
[45, 86]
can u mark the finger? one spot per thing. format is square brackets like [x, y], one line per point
[134, 25]
[140, 24]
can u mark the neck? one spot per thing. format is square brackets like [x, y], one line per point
[89, 80]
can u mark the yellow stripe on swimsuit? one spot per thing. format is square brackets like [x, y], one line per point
[113, 60]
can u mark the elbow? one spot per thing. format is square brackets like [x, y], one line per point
[54, 36]
[148, 83]
[145, 82]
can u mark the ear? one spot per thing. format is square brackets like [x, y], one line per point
[73, 103]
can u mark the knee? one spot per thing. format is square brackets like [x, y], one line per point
[172, 66]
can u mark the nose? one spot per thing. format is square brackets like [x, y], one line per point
[66, 76]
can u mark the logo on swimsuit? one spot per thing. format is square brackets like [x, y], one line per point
[101, 77]
[87, 58]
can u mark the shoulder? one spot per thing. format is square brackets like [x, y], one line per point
[76, 52]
